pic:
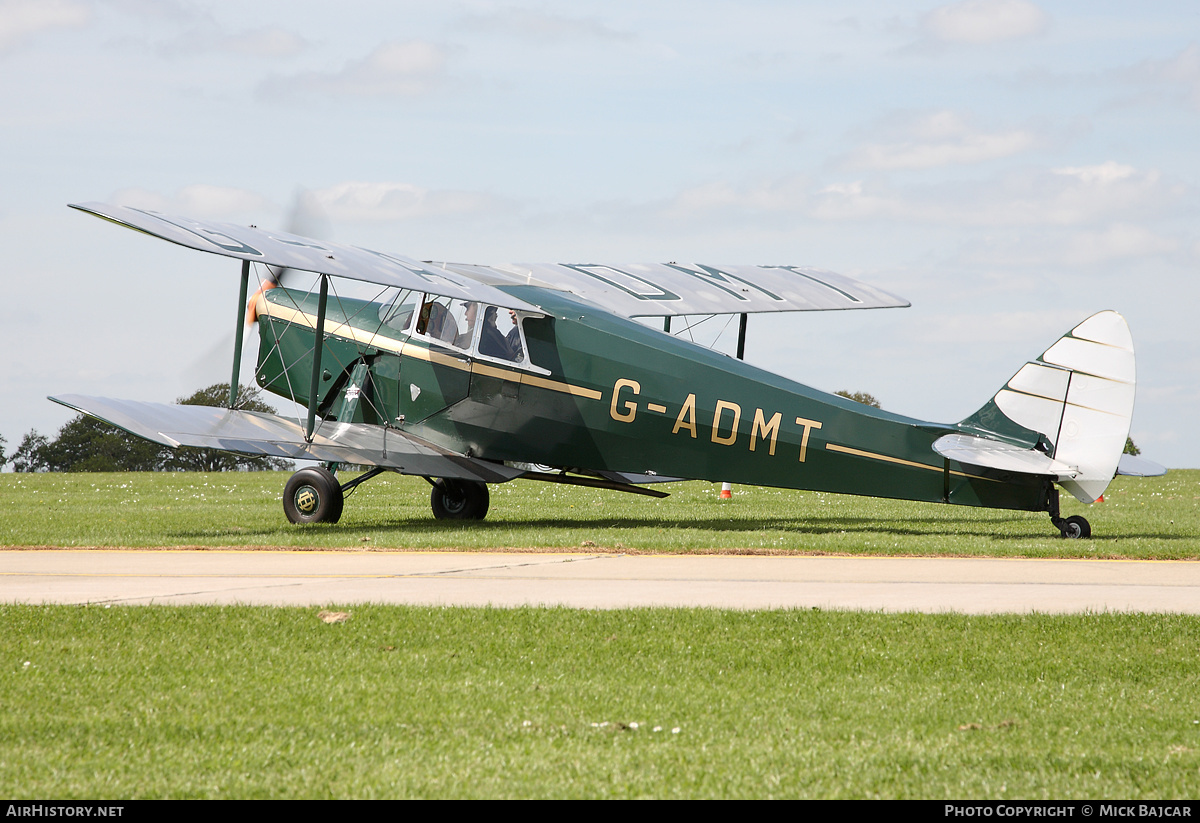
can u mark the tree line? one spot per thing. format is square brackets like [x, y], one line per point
[86, 444]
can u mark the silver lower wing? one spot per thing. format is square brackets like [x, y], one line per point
[256, 433]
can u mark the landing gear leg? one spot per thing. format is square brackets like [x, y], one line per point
[458, 499]
[1073, 527]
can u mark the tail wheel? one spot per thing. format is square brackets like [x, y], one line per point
[459, 500]
[1075, 528]
[313, 495]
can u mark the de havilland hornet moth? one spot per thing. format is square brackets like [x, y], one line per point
[468, 375]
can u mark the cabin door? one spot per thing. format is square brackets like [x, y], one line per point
[435, 372]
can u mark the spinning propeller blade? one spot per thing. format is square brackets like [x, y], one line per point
[306, 218]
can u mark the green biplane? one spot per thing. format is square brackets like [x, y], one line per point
[468, 375]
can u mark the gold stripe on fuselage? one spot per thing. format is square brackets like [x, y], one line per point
[833, 447]
[408, 349]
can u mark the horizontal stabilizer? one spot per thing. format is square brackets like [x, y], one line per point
[994, 454]
[256, 433]
[1132, 466]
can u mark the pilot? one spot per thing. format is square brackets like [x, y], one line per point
[513, 338]
[491, 342]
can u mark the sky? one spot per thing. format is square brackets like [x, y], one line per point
[1009, 167]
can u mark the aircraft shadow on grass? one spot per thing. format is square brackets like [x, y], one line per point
[999, 528]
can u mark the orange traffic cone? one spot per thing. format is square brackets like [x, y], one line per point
[726, 491]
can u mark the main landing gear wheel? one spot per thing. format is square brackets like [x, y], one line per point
[313, 495]
[1075, 528]
[459, 499]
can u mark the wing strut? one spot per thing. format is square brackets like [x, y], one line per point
[240, 325]
[318, 344]
[727, 488]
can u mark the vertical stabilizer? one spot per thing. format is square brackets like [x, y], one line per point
[1076, 399]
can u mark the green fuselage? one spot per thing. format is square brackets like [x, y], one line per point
[600, 392]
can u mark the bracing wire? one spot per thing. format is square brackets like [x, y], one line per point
[361, 347]
[277, 348]
[689, 326]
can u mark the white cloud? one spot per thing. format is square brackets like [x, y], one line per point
[996, 327]
[264, 42]
[940, 138]
[23, 19]
[207, 36]
[984, 21]
[1117, 241]
[1103, 174]
[533, 24]
[850, 201]
[786, 194]
[1181, 72]
[268, 42]
[376, 202]
[198, 200]
[1060, 197]
[969, 149]
[393, 69]
[1085, 196]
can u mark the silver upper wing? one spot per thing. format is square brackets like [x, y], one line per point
[630, 289]
[674, 289]
[290, 251]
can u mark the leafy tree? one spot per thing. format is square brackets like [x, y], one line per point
[30, 456]
[212, 460]
[860, 397]
[86, 444]
[1130, 448]
[248, 398]
[3, 459]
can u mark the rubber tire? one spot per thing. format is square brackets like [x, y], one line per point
[1076, 528]
[313, 495]
[459, 500]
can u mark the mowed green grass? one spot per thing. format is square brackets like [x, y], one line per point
[128, 702]
[1140, 518]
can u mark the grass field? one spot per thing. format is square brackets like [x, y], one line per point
[427, 702]
[1141, 518]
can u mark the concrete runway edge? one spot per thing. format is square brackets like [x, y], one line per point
[603, 581]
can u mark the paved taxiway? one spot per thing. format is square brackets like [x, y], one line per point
[974, 586]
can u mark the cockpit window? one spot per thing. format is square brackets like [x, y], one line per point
[500, 336]
[452, 322]
[488, 331]
[397, 317]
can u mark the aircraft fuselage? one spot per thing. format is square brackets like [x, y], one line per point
[597, 392]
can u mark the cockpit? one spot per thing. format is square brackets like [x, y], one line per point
[488, 332]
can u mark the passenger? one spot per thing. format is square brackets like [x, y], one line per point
[463, 341]
[436, 322]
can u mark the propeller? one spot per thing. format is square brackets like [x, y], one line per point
[306, 218]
